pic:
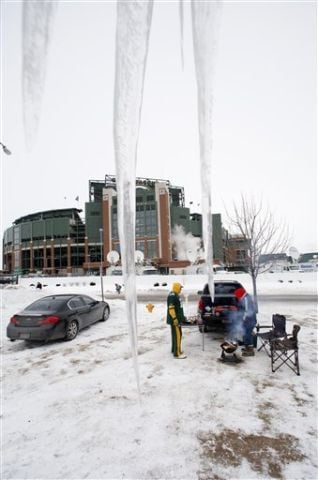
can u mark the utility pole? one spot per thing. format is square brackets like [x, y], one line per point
[101, 262]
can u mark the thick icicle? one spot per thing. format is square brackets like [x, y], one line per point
[205, 17]
[181, 10]
[132, 38]
[37, 25]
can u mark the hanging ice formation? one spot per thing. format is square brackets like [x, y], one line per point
[181, 30]
[133, 29]
[37, 21]
[132, 38]
[205, 19]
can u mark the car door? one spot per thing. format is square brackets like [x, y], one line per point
[94, 309]
[80, 311]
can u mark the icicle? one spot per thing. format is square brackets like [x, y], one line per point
[181, 10]
[132, 38]
[204, 22]
[37, 25]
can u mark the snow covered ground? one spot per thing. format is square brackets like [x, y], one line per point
[70, 410]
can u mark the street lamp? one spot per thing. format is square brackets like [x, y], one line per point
[101, 262]
[5, 149]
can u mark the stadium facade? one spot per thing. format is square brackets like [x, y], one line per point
[62, 242]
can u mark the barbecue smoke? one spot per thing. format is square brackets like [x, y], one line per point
[185, 245]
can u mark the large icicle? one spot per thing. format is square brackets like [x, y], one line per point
[181, 15]
[36, 28]
[132, 38]
[205, 16]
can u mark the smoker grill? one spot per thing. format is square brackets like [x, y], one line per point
[228, 352]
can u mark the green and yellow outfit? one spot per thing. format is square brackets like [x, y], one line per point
[175, 317]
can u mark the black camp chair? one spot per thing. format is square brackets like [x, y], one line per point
[277, 330]
[284, 351]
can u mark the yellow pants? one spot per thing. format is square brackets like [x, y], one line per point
[176, 335]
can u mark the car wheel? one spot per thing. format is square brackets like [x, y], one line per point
[71, 330]
[106, 313]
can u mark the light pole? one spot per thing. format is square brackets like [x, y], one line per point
[101, 262]
[5, 149]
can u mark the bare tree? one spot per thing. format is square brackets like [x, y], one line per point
[263, 235]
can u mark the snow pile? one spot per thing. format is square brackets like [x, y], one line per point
[286, 283]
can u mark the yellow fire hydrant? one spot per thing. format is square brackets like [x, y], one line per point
[150, 307]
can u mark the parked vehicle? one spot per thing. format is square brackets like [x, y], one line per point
[56, 316]
[219, 314]
[7, 279]
[150, 271]
[117, 272]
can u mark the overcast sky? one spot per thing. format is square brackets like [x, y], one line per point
[264, 110]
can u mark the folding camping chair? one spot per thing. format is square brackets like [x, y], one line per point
[285, 351]
[277, 330]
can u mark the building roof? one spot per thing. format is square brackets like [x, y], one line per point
[306, 257]
[46, 214]
[270, 257]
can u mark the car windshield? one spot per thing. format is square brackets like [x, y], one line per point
[48, 303]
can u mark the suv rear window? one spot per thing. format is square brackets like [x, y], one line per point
[222, 288]
[226, 301]
[226, 288]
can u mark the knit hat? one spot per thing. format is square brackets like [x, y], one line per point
[176, 287]
[239, 293]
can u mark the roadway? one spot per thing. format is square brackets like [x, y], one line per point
[158, 296]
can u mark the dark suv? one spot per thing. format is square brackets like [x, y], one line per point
[219, 314]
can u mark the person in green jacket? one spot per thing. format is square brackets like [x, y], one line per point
[175, 317]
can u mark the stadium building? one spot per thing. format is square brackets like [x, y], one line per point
[62, 242]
